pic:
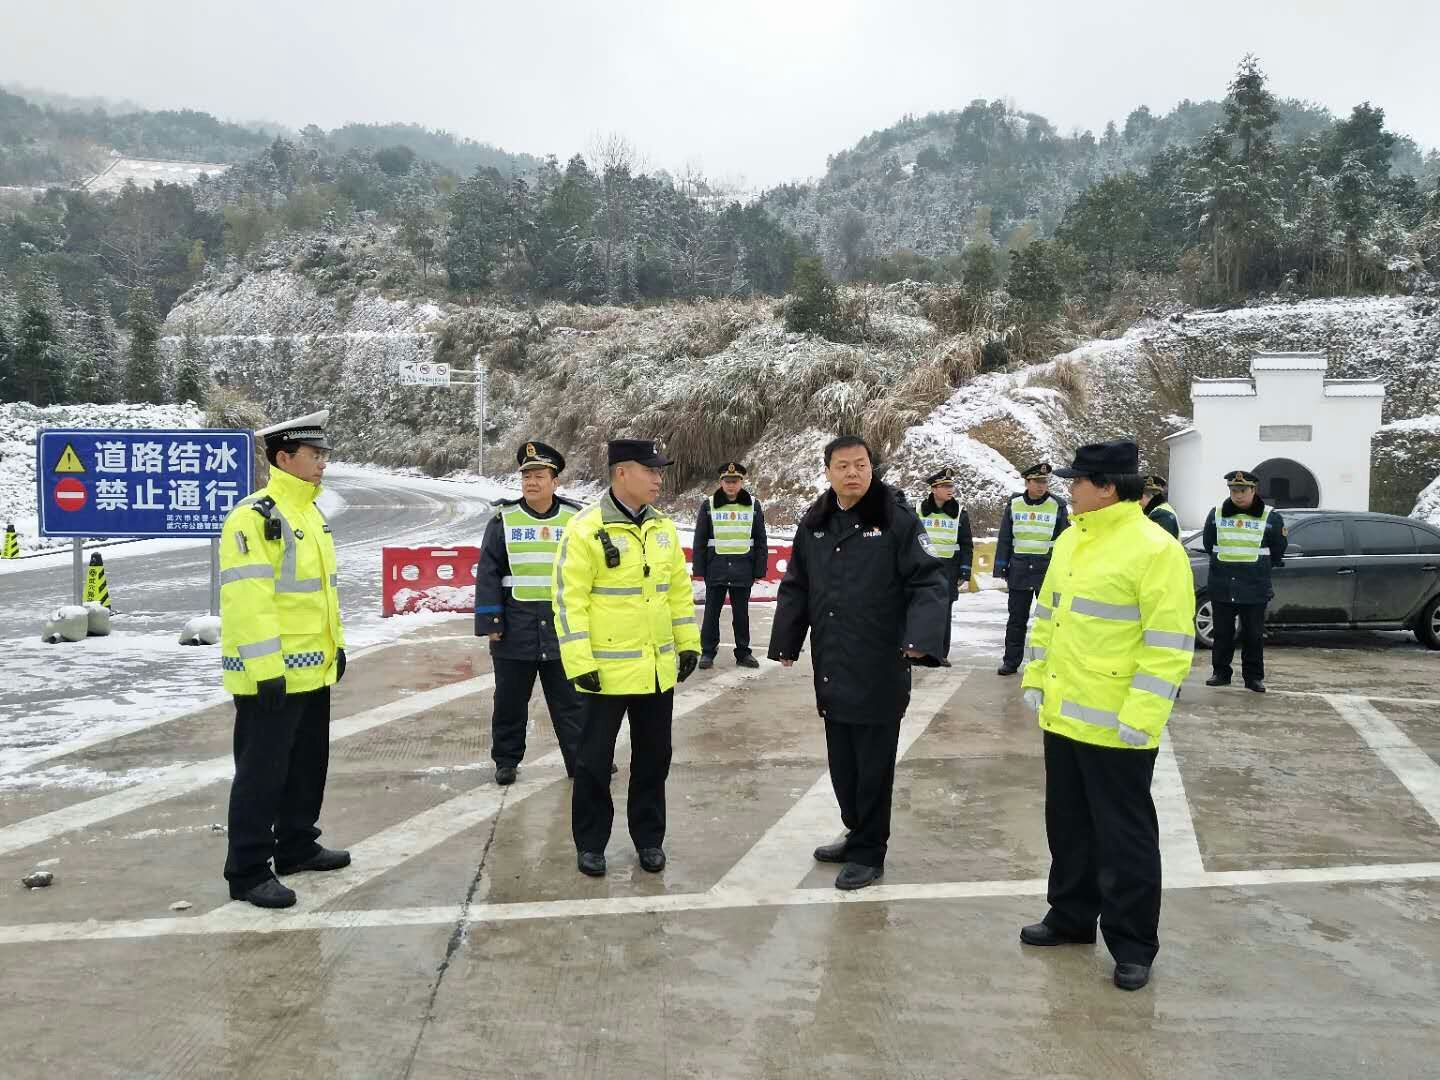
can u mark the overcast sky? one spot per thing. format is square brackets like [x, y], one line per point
[763, 89]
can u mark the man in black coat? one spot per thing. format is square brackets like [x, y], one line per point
[1029, 525]
[864, 582]
[1245, 539]
[512, 609]
[731, 554]
[948, 526]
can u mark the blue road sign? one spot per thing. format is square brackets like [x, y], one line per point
[98, 482]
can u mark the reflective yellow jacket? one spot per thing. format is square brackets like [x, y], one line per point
[1114, 630]
[279, 608]
[628, 622]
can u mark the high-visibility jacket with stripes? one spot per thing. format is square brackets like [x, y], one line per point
[530, 544]
[1114, 630]
[1033, 526]
[733, 525]
[279, 606]
[1241, 538]
[630, 621]
[943, 530]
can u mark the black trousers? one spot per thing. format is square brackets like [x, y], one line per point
[514, 683]
[1104, 846]
[1252, 640]
[862, 771]
[281, 759]
[592, 810]
[740, 615]
[1020, 601]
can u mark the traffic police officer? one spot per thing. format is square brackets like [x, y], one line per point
[512, 609]
[1157, 506]
[948, 527]
[731, 554]
[1245, 539]
[282, 648]
[627, 634]
[1032, 521]
[1112, 642]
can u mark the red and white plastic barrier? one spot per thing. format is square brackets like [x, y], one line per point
[443, 579]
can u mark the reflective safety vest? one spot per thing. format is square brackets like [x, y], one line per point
[944, 531]
[733, 526]
[1114, 630]
[1033, 527]
[279, 606]
[530, 545]
[1239, 539]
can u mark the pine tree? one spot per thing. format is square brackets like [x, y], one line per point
[476, 231]
[814, 308]
[192, 376]
[38, 372]
[144, 373]
[9, 384]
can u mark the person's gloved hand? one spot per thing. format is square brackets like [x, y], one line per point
[270, 693]
[688, 660]
[1034, 698]
[339, 664]
[589, 681]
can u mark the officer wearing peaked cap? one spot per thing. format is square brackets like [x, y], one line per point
[1157, 507]
[626, 617]
[1032, 521]
[282, 648]
[1245, 539]
[731, 554]
[513, 595]
[948, 527]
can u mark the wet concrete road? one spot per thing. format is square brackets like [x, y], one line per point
[1300, 938]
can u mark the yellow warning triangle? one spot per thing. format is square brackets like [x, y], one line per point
[69, 461]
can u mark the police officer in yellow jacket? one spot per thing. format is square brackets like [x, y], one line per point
[626, 618]
[282, 648]
[1111, 644]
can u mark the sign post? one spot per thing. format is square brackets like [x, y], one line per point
[426, 373]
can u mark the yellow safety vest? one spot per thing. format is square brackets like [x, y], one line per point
[733, 526]
[1239, 539]
[629, 621]
[1033, 527]
[943, 530]
[1114, 630]
[279, 605]
[530, 545]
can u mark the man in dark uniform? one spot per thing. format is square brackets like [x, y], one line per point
[1031, 522]
[1245, 539]
[731, 554]
[512, 609]
[864, 582]
[948, 527]
[1157, 506]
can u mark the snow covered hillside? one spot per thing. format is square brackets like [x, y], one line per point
[20, 421]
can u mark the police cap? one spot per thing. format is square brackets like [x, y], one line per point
[1155, 482]
[308, 429]
[537, 455]
[732, 470]
[1241, 478]
[1113, 457]
[1037, 472]
[641, 451]
[941, 476]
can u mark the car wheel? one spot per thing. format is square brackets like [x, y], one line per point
[1204, 621]
[1427, 626]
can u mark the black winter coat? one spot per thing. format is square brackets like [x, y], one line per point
[738, 570]
[1246, 583]
[864, 585]
[1025, 573]
[527, 627]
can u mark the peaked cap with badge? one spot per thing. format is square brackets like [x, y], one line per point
[1241, 478]
[539, 455]
[647, 452]
[308, 429]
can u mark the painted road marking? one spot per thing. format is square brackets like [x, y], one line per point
[1412, 766]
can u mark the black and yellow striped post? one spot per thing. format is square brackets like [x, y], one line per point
[97, 589]
[12, 544]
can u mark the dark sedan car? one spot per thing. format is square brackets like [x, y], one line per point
[1344, 570]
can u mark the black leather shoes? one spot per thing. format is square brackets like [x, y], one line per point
[1131, 976]
[1043, 934]
[746, 661]
[945, 663]
[706, 663]
[652, 859]
[855, 876]
[268, 894]
[1258, 685]
[1216, 680]
[505, 774]
[832, 852]
[591, 863]
[324, 859]
[1006, 669]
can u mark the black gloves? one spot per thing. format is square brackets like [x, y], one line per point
[688, 660]
[339, 664]
[271, 693]
[589, 681]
